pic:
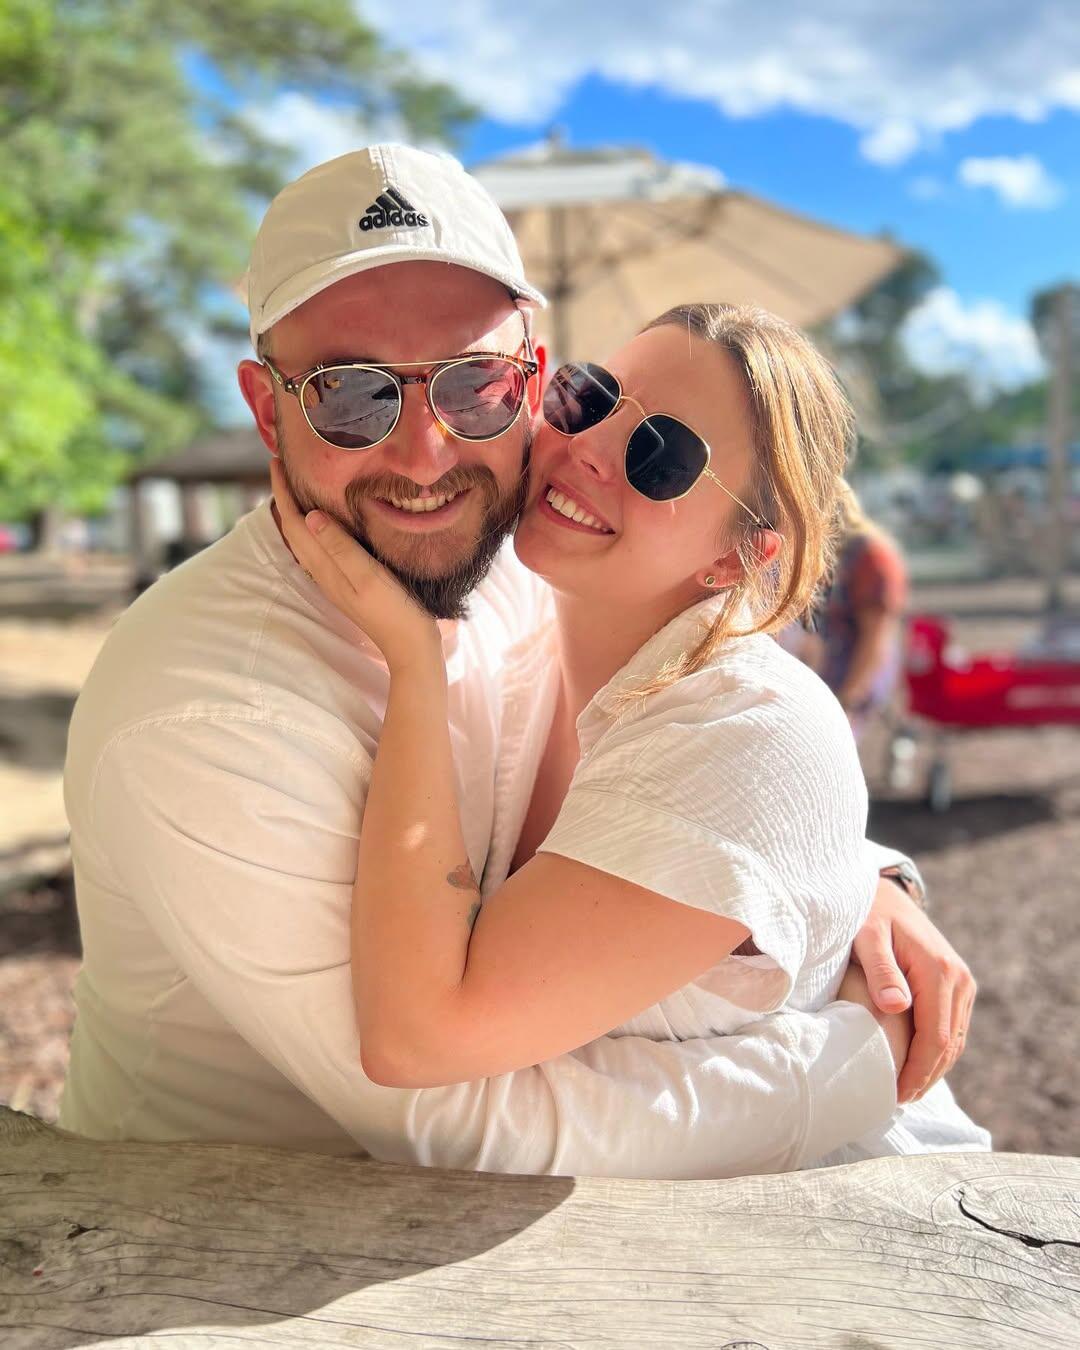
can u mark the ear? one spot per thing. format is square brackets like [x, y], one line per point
[257, 386]
[767, 545]
[536, 384]
[728, 570]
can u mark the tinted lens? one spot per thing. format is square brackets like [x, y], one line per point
[579, 396]
[479, 399]
[352, 407]
[664, 458]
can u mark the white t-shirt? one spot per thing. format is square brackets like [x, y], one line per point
[737, 790]
[218, 760]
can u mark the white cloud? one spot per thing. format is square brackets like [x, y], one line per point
[900, 74]
[996, 349]
[1020, 181]
[890, 143]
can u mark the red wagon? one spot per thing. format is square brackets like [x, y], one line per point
[954, 691]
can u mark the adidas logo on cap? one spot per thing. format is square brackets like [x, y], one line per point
[391, 209]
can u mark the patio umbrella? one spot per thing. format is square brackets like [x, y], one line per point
[616, 236]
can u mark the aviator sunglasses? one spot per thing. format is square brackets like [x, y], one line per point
[664, 457]
[354, 405]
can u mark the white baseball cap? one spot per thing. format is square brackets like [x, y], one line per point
[383, 204]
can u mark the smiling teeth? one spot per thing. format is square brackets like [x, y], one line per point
[418, 505]
[572, 511]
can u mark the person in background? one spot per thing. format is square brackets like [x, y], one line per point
[860, 616]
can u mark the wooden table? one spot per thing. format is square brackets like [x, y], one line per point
[193, 1246]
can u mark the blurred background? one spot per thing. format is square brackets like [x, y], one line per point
[900, 179]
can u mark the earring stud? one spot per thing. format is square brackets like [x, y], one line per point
[710, 580]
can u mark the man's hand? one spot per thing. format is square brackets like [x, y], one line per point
[899, 1027]
[907, 962]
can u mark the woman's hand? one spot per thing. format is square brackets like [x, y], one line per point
[363, 589]
[899, 1027]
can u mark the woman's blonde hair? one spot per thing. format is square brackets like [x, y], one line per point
[801, 427]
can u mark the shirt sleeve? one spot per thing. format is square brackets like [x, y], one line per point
[247, 883]
[878, 578]
[663, 851]
[880, 856]
[745, 804]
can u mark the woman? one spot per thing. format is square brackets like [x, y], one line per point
[689, 856]
[861, 614]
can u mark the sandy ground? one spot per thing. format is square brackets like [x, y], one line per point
[1001, 865]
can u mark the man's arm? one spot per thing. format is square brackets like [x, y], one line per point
[248, 886]
[908, 962]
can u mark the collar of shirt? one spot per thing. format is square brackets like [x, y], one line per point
[681, 634]
[529, 689]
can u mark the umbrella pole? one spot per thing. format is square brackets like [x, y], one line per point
[1058, 451]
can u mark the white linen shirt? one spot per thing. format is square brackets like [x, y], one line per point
[218, 760]
[738, 790]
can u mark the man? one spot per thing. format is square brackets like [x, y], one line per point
[220, 750]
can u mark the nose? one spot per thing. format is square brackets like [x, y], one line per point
[419, 448]
[597, 450]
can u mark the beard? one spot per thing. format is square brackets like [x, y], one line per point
[442, 592]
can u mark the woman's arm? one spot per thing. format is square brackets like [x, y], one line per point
[447, 991]
[877, 637]
[560, 955]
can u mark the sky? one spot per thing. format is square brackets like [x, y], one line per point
[955, 127]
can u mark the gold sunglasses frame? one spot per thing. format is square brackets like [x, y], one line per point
[624, 397]
[299, 383]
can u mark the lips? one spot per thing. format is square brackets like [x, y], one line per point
[574, 507]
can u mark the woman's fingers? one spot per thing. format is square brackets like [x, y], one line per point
[307, 547]
[292, 522]
[361, 587]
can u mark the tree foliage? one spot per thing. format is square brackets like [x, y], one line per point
[131, 176]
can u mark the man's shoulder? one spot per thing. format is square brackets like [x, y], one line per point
[222, 641]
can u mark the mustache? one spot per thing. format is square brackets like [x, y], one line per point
[459, 479]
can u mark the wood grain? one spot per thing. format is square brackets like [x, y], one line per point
[223, 1247]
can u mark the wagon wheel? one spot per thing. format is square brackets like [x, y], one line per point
[900, 756]
[939, 788]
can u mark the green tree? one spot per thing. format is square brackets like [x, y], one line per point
[129, 193]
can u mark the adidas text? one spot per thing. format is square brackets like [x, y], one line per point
[390, 209]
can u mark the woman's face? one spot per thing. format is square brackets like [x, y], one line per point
[641, 552]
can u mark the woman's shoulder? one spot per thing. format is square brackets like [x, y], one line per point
[754, 717]
[753, 678]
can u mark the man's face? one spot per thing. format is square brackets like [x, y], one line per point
[390, 316]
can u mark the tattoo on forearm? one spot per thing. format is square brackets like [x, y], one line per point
[463, 878]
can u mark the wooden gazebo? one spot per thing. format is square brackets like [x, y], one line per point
[234, 458]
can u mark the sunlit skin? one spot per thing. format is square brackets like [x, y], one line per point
[408, 312]
[614, 590]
